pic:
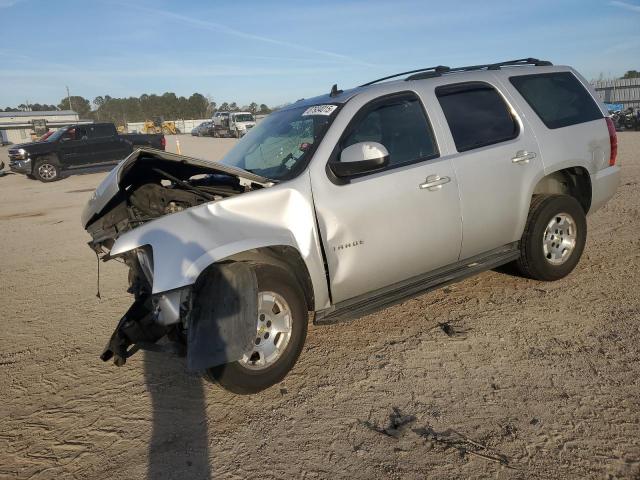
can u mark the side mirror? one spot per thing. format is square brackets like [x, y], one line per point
[359, 158]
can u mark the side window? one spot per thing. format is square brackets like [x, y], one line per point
[101, 131]
[477, 115]
[559, 99]
[81, 133]
[70, 134]
[399, 123]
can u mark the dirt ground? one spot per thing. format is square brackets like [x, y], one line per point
[494, 377]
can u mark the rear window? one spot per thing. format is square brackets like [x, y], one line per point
[477, 115]
[559, 99]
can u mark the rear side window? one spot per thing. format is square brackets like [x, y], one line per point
[477, 115]
[559, 99]
[101, 131]
[399, 123]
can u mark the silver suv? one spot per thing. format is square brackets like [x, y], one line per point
[345, 203]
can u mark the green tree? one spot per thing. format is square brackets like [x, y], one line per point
[224, 107]
[233, 107]
[631, 74]
[80, 105]
[264, 109]
[253, 107]
[197, 106]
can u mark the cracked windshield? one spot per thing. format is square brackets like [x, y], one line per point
[279, 146]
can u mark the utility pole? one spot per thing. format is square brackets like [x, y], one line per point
[69, 99]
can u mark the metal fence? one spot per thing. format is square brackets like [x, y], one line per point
[625, 91]
[185, 126]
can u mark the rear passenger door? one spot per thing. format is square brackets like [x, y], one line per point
[497, 163]
[104, 143]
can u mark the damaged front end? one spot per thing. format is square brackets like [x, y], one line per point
[151, 317]
[144, 189]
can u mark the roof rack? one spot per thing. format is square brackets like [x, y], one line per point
[435, 69]
[430, 72]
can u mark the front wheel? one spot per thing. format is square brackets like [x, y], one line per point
[281, 329]
[554, 237]
[46, 170]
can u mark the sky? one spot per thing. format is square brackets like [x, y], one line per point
[276, 52]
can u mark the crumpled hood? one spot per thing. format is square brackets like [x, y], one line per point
[112, 184]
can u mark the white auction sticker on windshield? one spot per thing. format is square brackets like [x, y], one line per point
[320, 110]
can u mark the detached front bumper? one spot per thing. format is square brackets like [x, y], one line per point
[138, 329]
[20, 165]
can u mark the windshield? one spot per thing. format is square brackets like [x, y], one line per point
[45, 136]
[280, 146]
[55, 136]
[243, 117]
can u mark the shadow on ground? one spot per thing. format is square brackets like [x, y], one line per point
[178, 448]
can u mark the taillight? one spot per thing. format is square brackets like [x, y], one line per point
[163, 141]
[613, 140]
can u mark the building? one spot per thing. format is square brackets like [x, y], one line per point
[621, 91]
[21, 127]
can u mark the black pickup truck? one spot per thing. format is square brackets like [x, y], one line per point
[77, 147]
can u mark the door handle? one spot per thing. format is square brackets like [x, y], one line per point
[434, 182]
[523, 157]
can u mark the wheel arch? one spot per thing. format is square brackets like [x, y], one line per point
[52, 156]
[285, 257]
[572, 181]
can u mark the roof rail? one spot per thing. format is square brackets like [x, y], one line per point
[439, 68]
[422, 73]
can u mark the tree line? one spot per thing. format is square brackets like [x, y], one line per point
[145, 107]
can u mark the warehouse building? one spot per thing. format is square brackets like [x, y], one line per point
[622, 91]
[21, 127]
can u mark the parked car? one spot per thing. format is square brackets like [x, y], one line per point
[345, 203]
[205, 129]
[77, 147]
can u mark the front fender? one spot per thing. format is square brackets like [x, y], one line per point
[184, 244]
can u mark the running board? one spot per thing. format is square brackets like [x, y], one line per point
[401, 291]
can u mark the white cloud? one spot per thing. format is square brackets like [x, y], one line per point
[220, 28]
[9, 3]
[627, 6]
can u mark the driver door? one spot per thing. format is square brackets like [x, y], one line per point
[381, 228]
[72, 148]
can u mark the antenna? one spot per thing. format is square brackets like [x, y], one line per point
[334, 91]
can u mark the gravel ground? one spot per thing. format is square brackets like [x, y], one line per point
[496, 376]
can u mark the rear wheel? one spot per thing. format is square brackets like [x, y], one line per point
[553, 239]
[281, 329]
[46, 170]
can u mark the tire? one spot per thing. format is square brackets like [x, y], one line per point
[552, 217]
[238, 377]
[46, 169]
[236, 133]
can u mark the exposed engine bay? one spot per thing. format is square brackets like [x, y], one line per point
[153, 187]
[144, 187]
